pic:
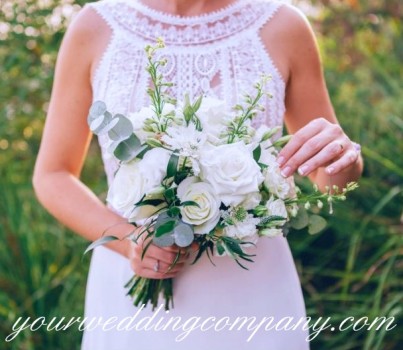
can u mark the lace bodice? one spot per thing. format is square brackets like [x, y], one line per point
[218, 54]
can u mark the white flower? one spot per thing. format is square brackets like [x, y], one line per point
[206, 216]
[232, 172]
[128, 188]
[153, 167]
[244, 230]
[251, 201]
[214, 117]
[276, 207]
[188, 141]
[274, 181]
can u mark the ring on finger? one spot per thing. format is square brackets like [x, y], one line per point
[156, 267]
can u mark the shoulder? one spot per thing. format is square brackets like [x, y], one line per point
[86, 34]
[291, 34]
[288, 22]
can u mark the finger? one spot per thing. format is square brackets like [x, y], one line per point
[349, 158]
[160, 254]
[299, 138]
[148, 263]
[328, 154]
[312, 147]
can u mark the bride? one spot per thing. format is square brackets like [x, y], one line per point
[217, 48]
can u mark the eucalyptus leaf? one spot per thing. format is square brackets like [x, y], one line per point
[164, 240]
[101, 124]
[316, 224]
[183, 234]
[301, 220]
[128, 149]
[122, 128]
[97, 109]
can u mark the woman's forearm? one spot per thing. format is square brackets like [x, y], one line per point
[74, 205]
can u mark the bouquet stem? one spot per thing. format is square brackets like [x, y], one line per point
[146, 290]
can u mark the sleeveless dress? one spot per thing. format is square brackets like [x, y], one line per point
[218, 54]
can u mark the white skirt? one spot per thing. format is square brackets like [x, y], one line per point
[222, 307]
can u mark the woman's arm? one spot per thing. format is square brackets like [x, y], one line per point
[64, 147]
[66, 137]
[319, 147]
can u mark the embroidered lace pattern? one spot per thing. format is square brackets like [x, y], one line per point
[218, 54]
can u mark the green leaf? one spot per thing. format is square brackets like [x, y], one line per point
[170, 194]
[100, 241]
[220, 248]
[165, 228]
[122, 128]
[189, 204]
[271, 219]
[301, 220]
[257, 152]
[316, 224]
[128, 149]
[197, 104]
[172, 165]
[174, 212]
[152, 202]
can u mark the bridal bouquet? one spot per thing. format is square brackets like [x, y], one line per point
[195, 171]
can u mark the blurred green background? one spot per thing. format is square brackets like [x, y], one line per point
[353, 268]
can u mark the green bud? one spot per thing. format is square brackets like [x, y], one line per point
[153, 143]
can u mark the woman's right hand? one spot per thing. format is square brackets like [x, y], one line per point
[157, 260]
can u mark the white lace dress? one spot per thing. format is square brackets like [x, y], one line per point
[218, 54]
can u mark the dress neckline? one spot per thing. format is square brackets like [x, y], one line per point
[165, 17]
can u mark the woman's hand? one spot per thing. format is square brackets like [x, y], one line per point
[320, 143]
[157, 260]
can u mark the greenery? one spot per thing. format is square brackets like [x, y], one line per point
[353, 268]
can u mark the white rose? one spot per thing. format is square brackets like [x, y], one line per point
[206, 216]
[214, 116]
[128, 187]
[232, 172]
[153, 167]
[276, 207]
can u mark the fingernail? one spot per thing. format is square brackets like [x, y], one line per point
[280, 160]
[303, 170]
[286, 171]
[330, 170]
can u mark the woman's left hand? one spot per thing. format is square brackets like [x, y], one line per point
[320, 143]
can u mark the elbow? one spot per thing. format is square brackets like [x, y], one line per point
[38, 184]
